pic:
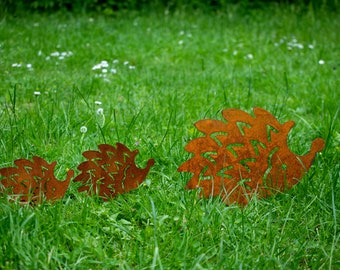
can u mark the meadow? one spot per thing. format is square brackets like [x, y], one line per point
[72, 81]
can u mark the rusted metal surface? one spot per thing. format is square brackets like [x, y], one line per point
[33, 181]
[111, 171]
[244, 156]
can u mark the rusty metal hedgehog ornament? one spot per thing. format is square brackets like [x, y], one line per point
[244, 156]
[33, 181]
[111, 171]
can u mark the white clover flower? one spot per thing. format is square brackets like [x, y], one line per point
[61, 57]
[321, 62]
[126, 63]
[104, 70]
[55, 54]
[113, 70]
[132, 67]
[104, 63]
[83, 129]
[36, 93]
[96, 67]
[64, 54]
[250, 56]
[299, 45]
[115, 61]
[311, 46]
[29, 66]
[100, 111]
[16, 65]
[98, 102]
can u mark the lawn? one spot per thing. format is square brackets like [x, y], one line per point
[144, 79]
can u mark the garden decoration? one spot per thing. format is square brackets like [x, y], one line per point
[111, 171]
[33, 181]
[245, 156]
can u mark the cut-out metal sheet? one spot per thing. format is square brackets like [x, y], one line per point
[245, 155]
[33, 181]
[111, 171]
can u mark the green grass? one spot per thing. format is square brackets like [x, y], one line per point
[181, 67]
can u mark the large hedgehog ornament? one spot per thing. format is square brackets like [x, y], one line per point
[245, 156]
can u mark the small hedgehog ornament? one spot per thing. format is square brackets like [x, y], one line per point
[245, 156]
[33, 181]
[111, 171]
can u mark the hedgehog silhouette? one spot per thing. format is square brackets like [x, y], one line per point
[245, 156]
[110, 171]
[33, 181]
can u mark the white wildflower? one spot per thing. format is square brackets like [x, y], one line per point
[96, 67]
[36, 93]
[55, 54]
[83, 129]
[113, 70]
[100, 111]
[132, 67]
[250, 56]
[321, 62]
[104, 63]
[98, 102]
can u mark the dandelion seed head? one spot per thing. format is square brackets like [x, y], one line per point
[83, 129]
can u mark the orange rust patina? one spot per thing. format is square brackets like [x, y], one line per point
[111, 171]
[245, 156]
[33, 181]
